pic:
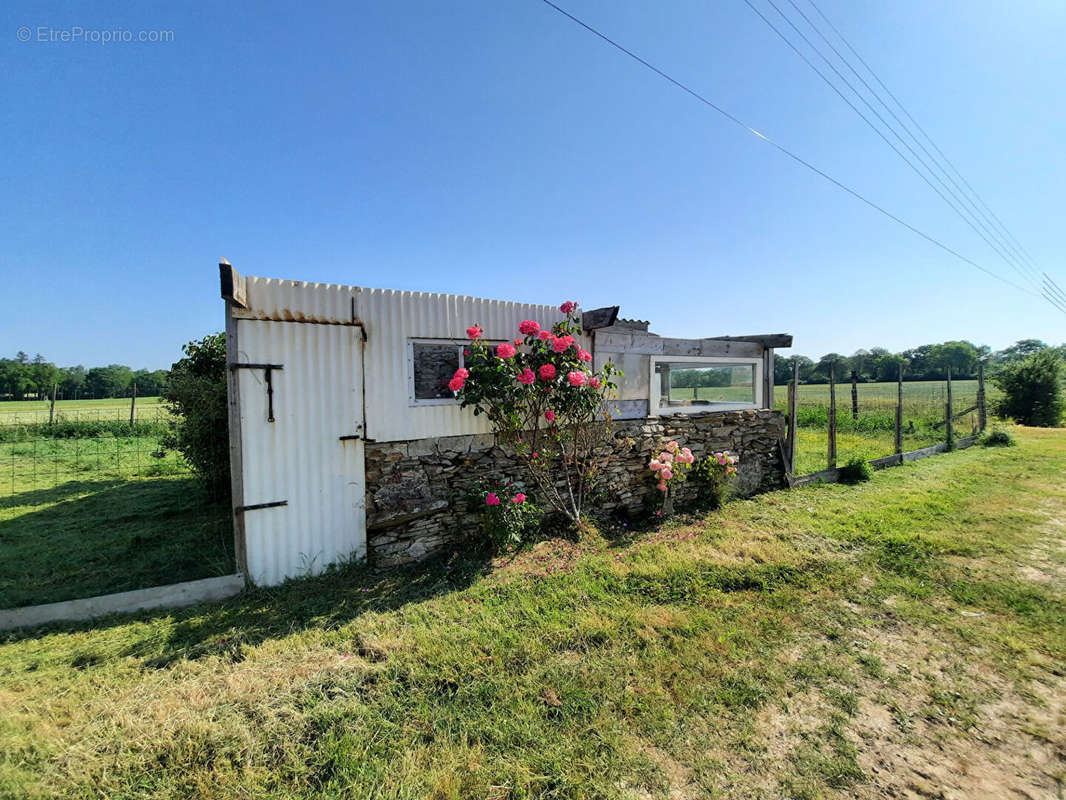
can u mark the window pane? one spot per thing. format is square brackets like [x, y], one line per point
[434, 365]
[692, 384]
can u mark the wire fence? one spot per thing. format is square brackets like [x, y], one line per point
[866, 418]
[43, 446]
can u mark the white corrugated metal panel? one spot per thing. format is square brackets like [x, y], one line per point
[297, 301]
[299, 458]
[390, 319]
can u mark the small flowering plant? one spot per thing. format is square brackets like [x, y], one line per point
[543, 396]
[508, 517]
[713, 475]
[669, 468]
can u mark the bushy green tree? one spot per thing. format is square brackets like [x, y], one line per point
[196, 395]
[1032, 389]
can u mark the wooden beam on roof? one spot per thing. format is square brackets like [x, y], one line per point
[765, 339]
[232, 284]
[599, 318]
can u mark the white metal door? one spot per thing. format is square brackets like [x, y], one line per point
[310, 457]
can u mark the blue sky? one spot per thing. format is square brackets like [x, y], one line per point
[495, 149]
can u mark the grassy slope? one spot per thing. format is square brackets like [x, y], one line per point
[828, 642]
[82, 517]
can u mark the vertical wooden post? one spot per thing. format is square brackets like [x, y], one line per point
[854, 394]
[832, 415]
[133, 405]
[899, 414]
[768, 378]
[793, 392]
[947, 415]
[52, 407]
[982, 413]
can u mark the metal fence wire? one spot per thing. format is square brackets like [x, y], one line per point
[36, 456]
[866, 418]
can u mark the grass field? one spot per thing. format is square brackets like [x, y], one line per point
[82, 517]
[30, 411]
[903, 637]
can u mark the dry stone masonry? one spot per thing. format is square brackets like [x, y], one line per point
[419, 492]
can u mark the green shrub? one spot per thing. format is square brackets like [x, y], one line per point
[857, 470]
[1032, 390]
[508, 518]
[82, 429]
[196, 396]
[713, 479]
[997, 438]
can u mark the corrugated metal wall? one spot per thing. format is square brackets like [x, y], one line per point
[299, 458]
[391, 319]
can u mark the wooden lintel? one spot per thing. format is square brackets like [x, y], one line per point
[599, 318]
[233, 286]
[765, 339]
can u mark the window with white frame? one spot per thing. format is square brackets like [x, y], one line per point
[431, 364]
[691, 384]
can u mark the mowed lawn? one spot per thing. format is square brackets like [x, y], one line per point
[84, 517]
[904, 637]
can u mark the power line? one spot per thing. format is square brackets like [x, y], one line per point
[994, 245]
[961, 196]
[780, 148]
[1002, 227]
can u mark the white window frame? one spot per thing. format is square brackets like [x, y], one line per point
[655, 410]
[412, 401]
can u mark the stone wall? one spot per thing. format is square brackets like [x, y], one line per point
[417, 492]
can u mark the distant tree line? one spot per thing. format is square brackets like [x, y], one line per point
[926, 363]
[25, 378]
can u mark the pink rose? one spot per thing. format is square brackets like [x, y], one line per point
[517, 342]
[526, 376]
[686, 451]
[462, 372]
[661, 487]
[544, 335]
[594, 382]
[671, 446]
[568, 306]
[518, 498]
[474, 331]
[576, 378]
[655, 465]
[584, 355]
[667, 473]
[456, 383]
[528, 327]
[549, 415]
[547, 372]
[491, 499]
[505, 350]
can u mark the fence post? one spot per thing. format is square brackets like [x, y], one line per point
[854, 394]
[899, 415]
[947, 415]
[133, 405]
[52, 407]
[793, 391]
[982, 413]
[832, 415]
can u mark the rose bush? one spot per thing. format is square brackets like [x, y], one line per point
[543, 397]
[669, 467]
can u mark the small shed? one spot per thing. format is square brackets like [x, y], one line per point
[341, 422]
